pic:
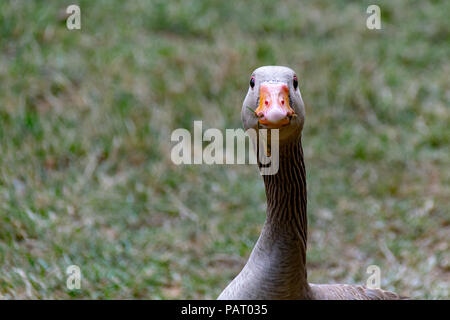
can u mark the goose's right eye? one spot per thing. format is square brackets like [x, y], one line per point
[252, 82]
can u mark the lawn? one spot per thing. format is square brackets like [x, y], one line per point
[86, 117]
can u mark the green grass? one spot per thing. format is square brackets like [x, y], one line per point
[85, 123]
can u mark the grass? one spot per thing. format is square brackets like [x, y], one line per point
[85, 123]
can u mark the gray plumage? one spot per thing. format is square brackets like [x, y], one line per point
[276, 268]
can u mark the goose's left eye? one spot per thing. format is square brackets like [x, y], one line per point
[295, 82]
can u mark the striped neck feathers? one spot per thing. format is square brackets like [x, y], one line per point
[286, 192]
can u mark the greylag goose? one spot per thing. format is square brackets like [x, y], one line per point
[276, 268]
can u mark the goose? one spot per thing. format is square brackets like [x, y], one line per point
[276, 268]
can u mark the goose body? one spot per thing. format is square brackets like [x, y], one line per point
[276, 268]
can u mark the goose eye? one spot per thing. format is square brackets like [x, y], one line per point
[295, 82]
[252, 82]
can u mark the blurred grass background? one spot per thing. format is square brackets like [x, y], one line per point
[85, 123]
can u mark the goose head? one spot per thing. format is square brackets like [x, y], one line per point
[274, 101]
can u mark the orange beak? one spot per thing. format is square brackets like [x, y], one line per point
[274, 109]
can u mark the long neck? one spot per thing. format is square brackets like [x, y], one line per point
[286, 194]
[280, 253]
